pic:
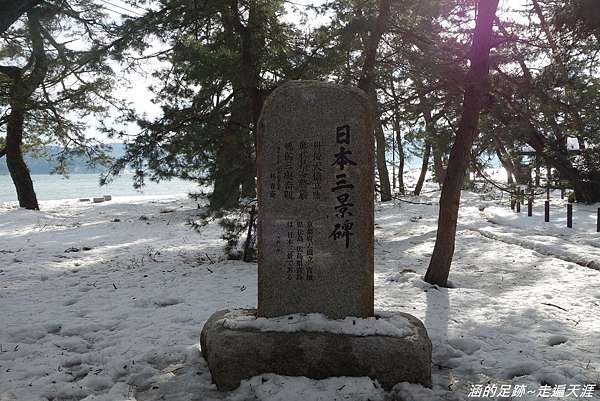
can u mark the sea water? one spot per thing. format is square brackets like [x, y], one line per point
[54, 187]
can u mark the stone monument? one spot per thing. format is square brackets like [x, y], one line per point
[315, 314]
[315, 194]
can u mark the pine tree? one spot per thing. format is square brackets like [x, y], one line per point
[53, 74]
[224, 58]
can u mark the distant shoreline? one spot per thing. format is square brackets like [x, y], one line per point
[87, 185]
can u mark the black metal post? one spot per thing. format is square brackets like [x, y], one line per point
[570, 215]
[530, 207]
[598, 222]
[547, 212]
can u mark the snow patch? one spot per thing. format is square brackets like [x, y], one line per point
[28, 334]
[413, 392]
[466, 345]
[521, 369]
[385, 324]
[270, 387]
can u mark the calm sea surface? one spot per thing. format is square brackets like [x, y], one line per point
[53, 187]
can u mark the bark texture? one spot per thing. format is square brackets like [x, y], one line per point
[424, 167]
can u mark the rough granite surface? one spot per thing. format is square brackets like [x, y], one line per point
[234, 355]
[315, 194]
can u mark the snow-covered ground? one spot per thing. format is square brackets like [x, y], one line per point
[106, 302]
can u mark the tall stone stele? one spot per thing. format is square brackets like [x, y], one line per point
[315, 195]
[315, 243]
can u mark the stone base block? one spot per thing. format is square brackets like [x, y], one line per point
[235, 352]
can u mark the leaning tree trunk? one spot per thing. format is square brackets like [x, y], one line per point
[23, 83]
[14, 158]
[424, 168]
[476, 83]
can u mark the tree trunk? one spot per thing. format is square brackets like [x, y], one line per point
[401, 155]
[507, 167]
[430, 121]
[506, 161]
[14, 158]
[22, 87]
[438, 165]
[235, 166]
[367, 80]
[467, 184]
[235, 169]
[227, 180]
[424, 168]
[476, 83]
[382, 170]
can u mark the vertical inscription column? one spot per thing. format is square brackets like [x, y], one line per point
[315, 194]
